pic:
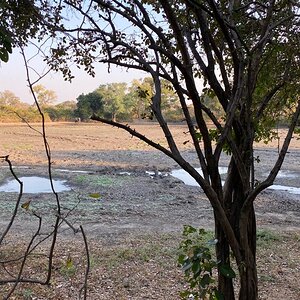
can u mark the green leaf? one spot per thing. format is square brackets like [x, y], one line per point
[187, 265]
[187, 229]
[185, 294]
[198, 136]
[227, 271]
[69, 262]
[4, 55]
[26, 205]
[196, 268]
[95, 195]
[7, 46]
[181, 258]
[219, 295]
[205, 280]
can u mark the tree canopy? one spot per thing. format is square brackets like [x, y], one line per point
[44, 96]
[9, 98]
[91, 103]
[113, 95]
[19, 22]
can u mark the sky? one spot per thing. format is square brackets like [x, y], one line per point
[13, 78]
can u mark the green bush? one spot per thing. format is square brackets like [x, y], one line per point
[196, 259]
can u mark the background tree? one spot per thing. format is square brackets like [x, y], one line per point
[170, 104]
[9, 105]
[210, 101]
[45, 97]
[113, 96]
[8, 98]
[141, 91]
[12, 109]
[246, 52]
[64, 111]
[91, 103]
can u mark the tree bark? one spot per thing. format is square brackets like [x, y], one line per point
[225, 285]
[244, 227]
[248, 272]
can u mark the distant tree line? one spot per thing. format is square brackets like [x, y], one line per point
[115, 101]
[12, 109]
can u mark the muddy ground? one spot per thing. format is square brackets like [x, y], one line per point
[123, 196]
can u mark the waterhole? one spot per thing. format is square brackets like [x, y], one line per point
[34, 185]
[189, 180]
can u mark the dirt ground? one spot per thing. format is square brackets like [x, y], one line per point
[133, 211]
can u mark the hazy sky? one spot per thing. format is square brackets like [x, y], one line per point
[13, 78]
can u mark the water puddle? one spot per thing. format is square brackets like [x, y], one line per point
[286, 174]
[72, 171]
[189, 180]
[283, 188]
[124, 173]
[156, 173]
[34, 185]
[185, 177]
[15, 167]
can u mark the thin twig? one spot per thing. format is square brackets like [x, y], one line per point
[18, 199]
[48, 154]
[88, 265]
[17, 280]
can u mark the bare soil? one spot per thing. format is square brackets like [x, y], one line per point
[132, 219]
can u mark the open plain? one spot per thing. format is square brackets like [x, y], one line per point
[132, 211]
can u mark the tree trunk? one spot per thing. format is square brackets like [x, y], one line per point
[245, 232]
[225, 285]
[248, 273]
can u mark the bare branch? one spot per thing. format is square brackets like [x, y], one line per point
[19, 277]
[270, 179]
[87, 271]
[14, 214]
[48, 153]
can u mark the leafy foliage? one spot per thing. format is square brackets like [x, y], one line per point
[5, 45]
[113, 95]
[64, 111]
[8, 98]
[89, 104]
[95, 195]
[19, 22]
[44, 96]
[199, 266]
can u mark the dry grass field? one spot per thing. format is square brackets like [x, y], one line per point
[133, 221]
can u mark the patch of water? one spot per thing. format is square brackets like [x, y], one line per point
[15, 167]
[72, 171]
[289, 189]
[124, 173]
[185, 177]
[34, 185]
[153, 174]
[189, 180]
[286, 174]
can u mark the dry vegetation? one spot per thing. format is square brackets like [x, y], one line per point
[134, 228]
